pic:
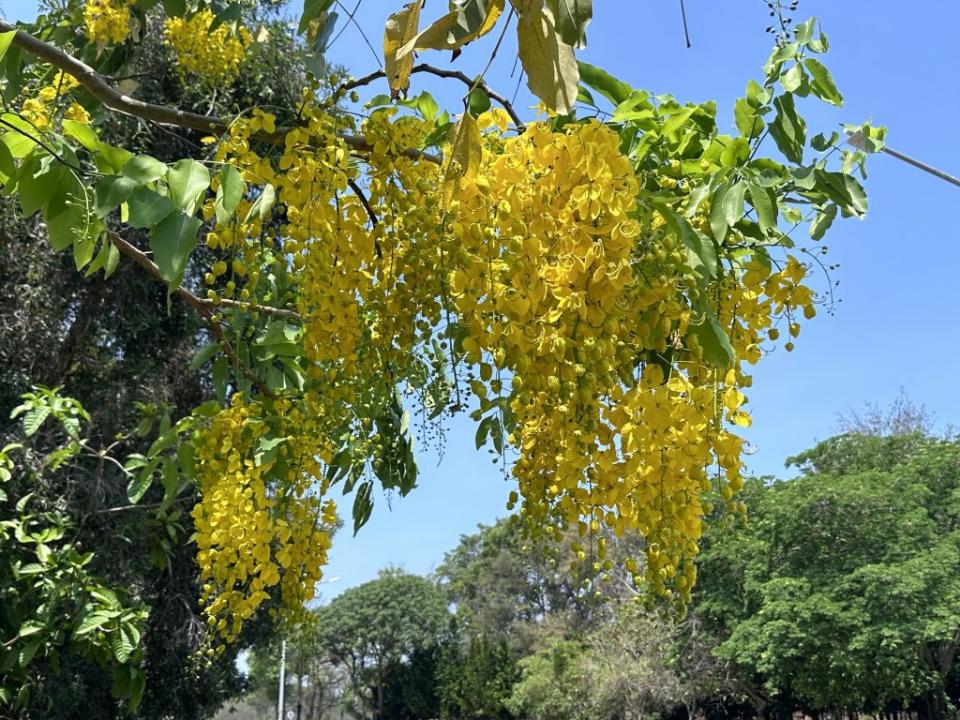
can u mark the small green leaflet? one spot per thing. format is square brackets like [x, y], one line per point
[143, 169]
[823, 86]
[147, 208]
[5, 41]
[263, 205]
[312, 9]
[765, 203]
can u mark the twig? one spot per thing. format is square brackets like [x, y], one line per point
[201, 306]
[683, 15]
[250, 307]
[358, 191]
[453, 74]
[111, 98]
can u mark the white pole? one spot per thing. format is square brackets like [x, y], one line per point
[283, 660]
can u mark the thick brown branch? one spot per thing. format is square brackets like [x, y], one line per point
[111, 98]
[453, 74]
[201, 306]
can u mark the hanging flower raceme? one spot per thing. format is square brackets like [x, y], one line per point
[212, 55]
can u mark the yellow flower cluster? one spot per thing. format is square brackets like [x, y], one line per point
[260, 522]
[107, 22]
[546, 270]
[39, 110]
[214, 56]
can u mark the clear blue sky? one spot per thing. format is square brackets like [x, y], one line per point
[894, 327]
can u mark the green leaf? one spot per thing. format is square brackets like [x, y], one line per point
[28, 651]
[83, 134]
[551, 67]
[478, 102]
[91, 622]
[726, 208]
[736, 153]
[112, 260]
[794, 79]
[765, 202]
[188, 180]
[823, 221]
[717, 349]
[263, 205]
[362, 505]
[6, 39]
[229, 194]
[823, 86]
[110, 191]
[604, 83]
[821, 142]
[122, 644]
[172, 241]
[220, 375]
[845, 191]
[147, 208]
[204, 354]
[749, 122]
[312, 9]
[701, 249]
[143, 169]
[788, 129]
[572, 18]
[112, 158]
[139, 484]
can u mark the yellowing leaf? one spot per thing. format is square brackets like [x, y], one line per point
[400, 29]
[465, 148]
[466, 21]
[552, 73]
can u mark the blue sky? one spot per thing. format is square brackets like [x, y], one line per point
[894, 326]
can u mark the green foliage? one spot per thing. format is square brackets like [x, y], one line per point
[842, 589]
[373, 627]
[475, 679]
[53, 606]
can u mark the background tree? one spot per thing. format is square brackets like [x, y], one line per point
[371, 629]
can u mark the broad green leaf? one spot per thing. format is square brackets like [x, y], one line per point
[736, 153]
[263, 205]
[112, 260]
[122, 644]
[757, 95]
[187, 180]
[65, 227]
[110, 191]
[603, 82]
[400, 29]
[823, 86]
[204, 354]
[172, 241]
[91, 622]
[701, 251]
[716, 346]
[144, 169]
[821, 142]
[823, 221]
[147, 208]
[139, 484]
[765, 203]
[748, 120]
[788, 129]
[111, 158]
[312, 9]
[794, 79]
[229, 194]
[551, 67]
[845, 191]
[7, 165]
[726, 208]
[82, 133]
[572, 18]
[28, 651]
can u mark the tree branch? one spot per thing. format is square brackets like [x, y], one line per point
[201, 306]
[453, 74]
[111, 98]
